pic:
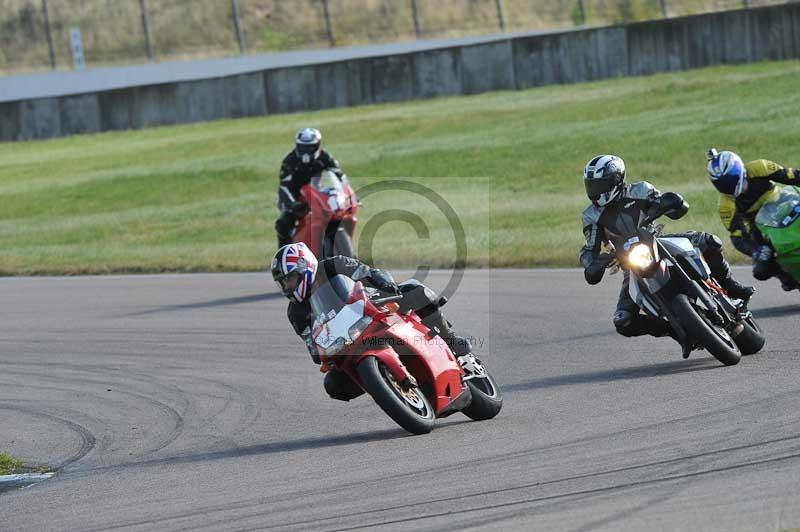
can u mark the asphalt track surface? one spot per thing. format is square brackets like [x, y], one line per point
[185, 403]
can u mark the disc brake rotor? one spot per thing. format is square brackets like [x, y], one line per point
[410, 396]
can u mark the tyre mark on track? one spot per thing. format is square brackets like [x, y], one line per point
[250, 410]
[533, 485]
[88, 440]
[578, 494]
[253, 503]
[177, 420]
[494, 460]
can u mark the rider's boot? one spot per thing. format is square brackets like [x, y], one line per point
[787, 281]
[661, 328]
[737, 290]
[428, 306]
[439, 324]
[686, 345]
[284, 226]
[721, 271]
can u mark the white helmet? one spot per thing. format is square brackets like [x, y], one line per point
[604, 179]
[308, 144]
[727, 172]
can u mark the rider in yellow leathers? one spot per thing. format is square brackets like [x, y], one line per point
[744, 188]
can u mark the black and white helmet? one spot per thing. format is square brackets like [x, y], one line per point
[308, 144]
[604, 179]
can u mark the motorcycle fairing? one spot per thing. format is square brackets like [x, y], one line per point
[779, 222]
[326, 205]
[682, 247]
[428, 359]
[653, 284]
[677, 247]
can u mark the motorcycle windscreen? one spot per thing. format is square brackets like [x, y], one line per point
[329, 183]
[782, 212]
[338, 308]
[326, 181]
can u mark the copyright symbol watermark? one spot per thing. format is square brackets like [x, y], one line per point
[435, 224]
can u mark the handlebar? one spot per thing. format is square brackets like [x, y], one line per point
[382, 300]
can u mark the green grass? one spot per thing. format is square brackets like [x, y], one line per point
[9, 465]
[202, 197]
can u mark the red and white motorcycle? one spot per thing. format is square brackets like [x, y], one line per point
[411, 373]
[329, 222]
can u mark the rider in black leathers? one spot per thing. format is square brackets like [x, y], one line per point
[616, 208]
[307, 160]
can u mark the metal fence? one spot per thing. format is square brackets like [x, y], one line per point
[36, 34]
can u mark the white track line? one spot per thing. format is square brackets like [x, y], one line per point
[24, 478]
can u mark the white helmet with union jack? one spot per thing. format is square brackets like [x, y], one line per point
[294, 268]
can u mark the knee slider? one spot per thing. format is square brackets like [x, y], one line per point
[623, 319]
[764, 270]
[339, 387]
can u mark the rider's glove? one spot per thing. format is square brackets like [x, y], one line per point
[312, 349]
[594, 273]
[383, 281]
[670, 204]
[298, 208]
[763, 254]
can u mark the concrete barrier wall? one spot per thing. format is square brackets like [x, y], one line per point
[768, 33]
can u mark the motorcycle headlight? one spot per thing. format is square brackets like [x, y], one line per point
[334, 348]
[355, 330]
[358, 328]
[641, 257]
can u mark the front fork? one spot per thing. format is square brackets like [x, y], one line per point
[389, 358]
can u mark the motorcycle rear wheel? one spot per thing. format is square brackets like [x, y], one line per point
[700, 328]
[750, 340]
[487, 400]
[410, 409]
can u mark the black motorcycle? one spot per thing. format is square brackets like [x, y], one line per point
[669, 279]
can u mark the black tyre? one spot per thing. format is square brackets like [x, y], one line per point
[714, 338]
[338, 243]
[487, 400]
[750, 340]
[410, 409]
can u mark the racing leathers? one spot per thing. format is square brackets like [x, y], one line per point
[294, 174]
[608, 224]
[738, 216]
[416, 297]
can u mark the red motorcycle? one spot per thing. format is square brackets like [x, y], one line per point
[329, 221]
[412, 374]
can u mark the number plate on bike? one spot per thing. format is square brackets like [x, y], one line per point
[631, 241]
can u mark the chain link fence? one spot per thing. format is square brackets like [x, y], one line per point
[35, 34]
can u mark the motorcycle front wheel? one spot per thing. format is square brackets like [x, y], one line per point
[409, 408]
[338, 243]
[701, 329]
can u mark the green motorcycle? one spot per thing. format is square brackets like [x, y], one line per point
[778, 221]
